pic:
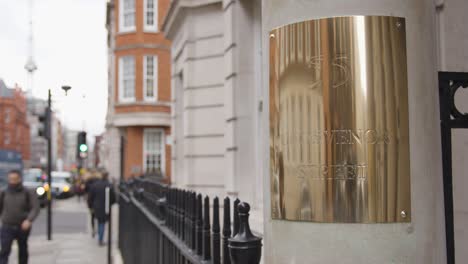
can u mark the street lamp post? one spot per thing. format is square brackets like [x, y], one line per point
[49, 160]
[49, 166]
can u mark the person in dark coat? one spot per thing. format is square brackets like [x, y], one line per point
[97, 202]
[18, 209]
[90, 180]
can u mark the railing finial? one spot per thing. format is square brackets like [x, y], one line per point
[245, 248]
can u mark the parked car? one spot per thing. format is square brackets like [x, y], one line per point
[9, 160]
[61, 184]
[32, 179]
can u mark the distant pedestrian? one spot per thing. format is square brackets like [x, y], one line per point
[97, 201]
[79, 188]
[18, 208]
[90, 180]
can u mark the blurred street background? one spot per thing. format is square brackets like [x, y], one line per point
[72, 242]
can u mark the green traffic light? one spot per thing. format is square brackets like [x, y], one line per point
[83, 148]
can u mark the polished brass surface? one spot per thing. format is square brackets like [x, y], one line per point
[339, 136]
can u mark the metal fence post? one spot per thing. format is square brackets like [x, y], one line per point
[245, 248]
[194, 222]
[226, 230]
[216, 236]
[236, 218]
[199, 227]
[160, 224]
[206, 231]
[109, 231]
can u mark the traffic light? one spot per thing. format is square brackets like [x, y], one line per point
[82, 151]
[43, 129]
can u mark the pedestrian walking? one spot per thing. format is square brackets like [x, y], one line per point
[18, 209]
[90, 180]
[97, 201]
[79, 188]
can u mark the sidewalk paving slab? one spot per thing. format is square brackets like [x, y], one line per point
[70, 248]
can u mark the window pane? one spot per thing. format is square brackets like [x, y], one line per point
[150, 80]
[128, 77]
[153, 151]
[129, 5]
[149, 88]
[128, 13]
[150, 14]
[149, 18]
[149, 65]
[129, 20]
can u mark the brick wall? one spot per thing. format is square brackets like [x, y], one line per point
[139, 43]
[14, 128]
[134, 152]
[135, 108]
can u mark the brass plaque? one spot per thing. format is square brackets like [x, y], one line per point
[339, 136]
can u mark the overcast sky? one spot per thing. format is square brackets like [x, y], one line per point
[69, 47]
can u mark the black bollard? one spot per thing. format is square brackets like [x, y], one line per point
[245, 248]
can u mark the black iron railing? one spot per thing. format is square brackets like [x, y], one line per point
[450, 118]
[160, 224]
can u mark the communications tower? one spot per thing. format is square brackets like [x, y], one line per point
[30, 65]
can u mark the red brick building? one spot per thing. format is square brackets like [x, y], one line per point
[14, 128]
[140, 88]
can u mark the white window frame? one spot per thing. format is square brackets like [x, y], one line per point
[7, 115]
[155, 78]
[7, 138]
[122, 28]
[121, 80]
[146, 131]
[155, 27]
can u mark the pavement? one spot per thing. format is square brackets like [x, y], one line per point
[71, 238]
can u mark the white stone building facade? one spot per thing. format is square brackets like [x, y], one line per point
[220, 121]
[111, 137]
[216, 86]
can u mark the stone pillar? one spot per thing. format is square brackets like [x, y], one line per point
[422, 240]
[242, 27]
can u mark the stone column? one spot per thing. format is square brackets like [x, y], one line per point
[422, 240]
